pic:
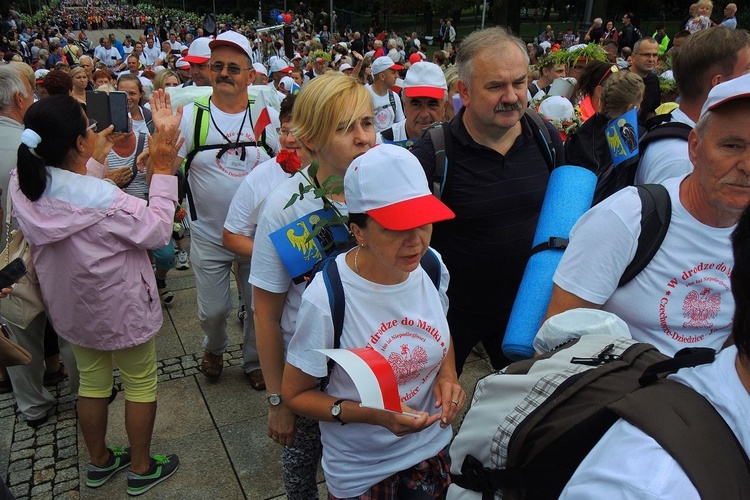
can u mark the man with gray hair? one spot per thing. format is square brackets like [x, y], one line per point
[495, 182]
[595, 32]
[730, 19]
[685, 297]
[706, 59]
[87, 63]
[682, 296]
[33, 400]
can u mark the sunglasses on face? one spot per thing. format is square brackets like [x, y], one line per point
[232, 69]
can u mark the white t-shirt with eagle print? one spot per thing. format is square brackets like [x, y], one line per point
[681, 299]
[406, 323]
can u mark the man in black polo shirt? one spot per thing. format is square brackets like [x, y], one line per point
[495, 183]
[645, 55]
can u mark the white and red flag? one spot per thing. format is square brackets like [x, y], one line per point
[372, 376]
[259, 115]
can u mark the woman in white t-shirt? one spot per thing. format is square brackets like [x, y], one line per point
[333, 121]
[394, 308]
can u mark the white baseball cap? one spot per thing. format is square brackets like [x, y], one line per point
[259, 68]
[40, 74]
[736, 88]
[280, 65]
[199, 52]
[231, 39]
[425, 80]
[297, 56]
[383, 63]
[388, 184]
[345, 66]
[182, 64]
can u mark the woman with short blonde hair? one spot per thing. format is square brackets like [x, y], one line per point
[333, 120]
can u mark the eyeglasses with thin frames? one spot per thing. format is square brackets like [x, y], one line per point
[92, 126]
[232, 69]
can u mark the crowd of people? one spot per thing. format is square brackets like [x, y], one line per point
[248, 143]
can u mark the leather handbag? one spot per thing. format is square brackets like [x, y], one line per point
[25, 303]
[11, 354]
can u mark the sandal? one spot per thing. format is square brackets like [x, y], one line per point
[54, 378]
[212, 365]
[255, 377]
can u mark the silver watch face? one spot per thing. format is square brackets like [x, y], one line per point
[336, 410]
[274, 400]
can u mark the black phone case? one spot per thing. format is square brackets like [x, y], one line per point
[12, 272]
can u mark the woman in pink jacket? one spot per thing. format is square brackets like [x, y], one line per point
[88, 242]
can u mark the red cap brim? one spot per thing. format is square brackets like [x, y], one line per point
[410, 214]
[432, 92]
[196, 59]
[396, 67]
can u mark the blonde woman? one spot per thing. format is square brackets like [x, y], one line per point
[620, 92]
[333, 121]
[80, 82]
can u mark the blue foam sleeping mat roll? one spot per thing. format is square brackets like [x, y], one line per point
[569, 195]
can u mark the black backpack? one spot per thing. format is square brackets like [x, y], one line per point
[611, 179]
[531, 425]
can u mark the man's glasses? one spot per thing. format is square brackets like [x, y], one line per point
[232, 69]
[92, 126]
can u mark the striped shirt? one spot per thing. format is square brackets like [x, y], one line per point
[139, 186]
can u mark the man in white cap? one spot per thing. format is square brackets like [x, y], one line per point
[385, 102]
[261, 74]
[319, 68]
[627, 463]
[424, 104]
[682, 297]
[346, 68]
[279, 69]
[183, 71]
[221, 149]
[199, 54]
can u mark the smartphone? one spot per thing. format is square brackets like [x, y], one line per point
[97, 108]
[6, 331]
[108, 109]
[118, 111]
[12, 272]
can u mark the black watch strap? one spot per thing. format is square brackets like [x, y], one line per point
[337, 416]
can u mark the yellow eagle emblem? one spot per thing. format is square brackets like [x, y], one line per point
[303, 242]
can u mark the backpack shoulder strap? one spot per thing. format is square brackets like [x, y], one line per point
[149, 119]
[392, 102]
[442, 144]
[656, 214]
[668, 130]
[689, 428]
[431, 266]
[542, 137]
[387, 134]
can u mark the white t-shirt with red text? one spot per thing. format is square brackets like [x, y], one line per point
[213, 181]
[407, 324]
[681, 299]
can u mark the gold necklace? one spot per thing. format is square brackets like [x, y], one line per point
[356, 263]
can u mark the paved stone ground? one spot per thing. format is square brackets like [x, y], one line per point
[217, 428]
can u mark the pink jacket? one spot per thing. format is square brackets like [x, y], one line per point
[88, 242]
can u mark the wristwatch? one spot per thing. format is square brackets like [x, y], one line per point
[336, 411]
[275, 399]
